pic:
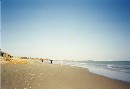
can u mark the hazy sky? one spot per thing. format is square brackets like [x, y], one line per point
[67, 29]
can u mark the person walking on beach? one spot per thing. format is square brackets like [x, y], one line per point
[42, 60]
[51, 61]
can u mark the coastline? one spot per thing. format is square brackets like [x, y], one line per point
[54, 76]
[113, 69]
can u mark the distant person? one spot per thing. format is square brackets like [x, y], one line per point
[51, 61]
[42, 60]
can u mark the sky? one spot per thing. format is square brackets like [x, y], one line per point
[66, 29]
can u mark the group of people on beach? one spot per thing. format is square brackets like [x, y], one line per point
[50, 60]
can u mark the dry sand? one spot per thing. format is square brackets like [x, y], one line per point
[52, 76]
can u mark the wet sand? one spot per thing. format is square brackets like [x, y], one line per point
[52, 76]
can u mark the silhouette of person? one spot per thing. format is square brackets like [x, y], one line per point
[51, 61]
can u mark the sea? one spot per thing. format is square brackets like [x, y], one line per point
[119, 70]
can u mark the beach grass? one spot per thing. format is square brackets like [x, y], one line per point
[17, 61]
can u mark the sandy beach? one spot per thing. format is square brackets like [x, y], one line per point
[53, 76]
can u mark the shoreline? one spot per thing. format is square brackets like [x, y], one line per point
[87, 70]
[101, 75]
[54, 76]
[118, 73]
